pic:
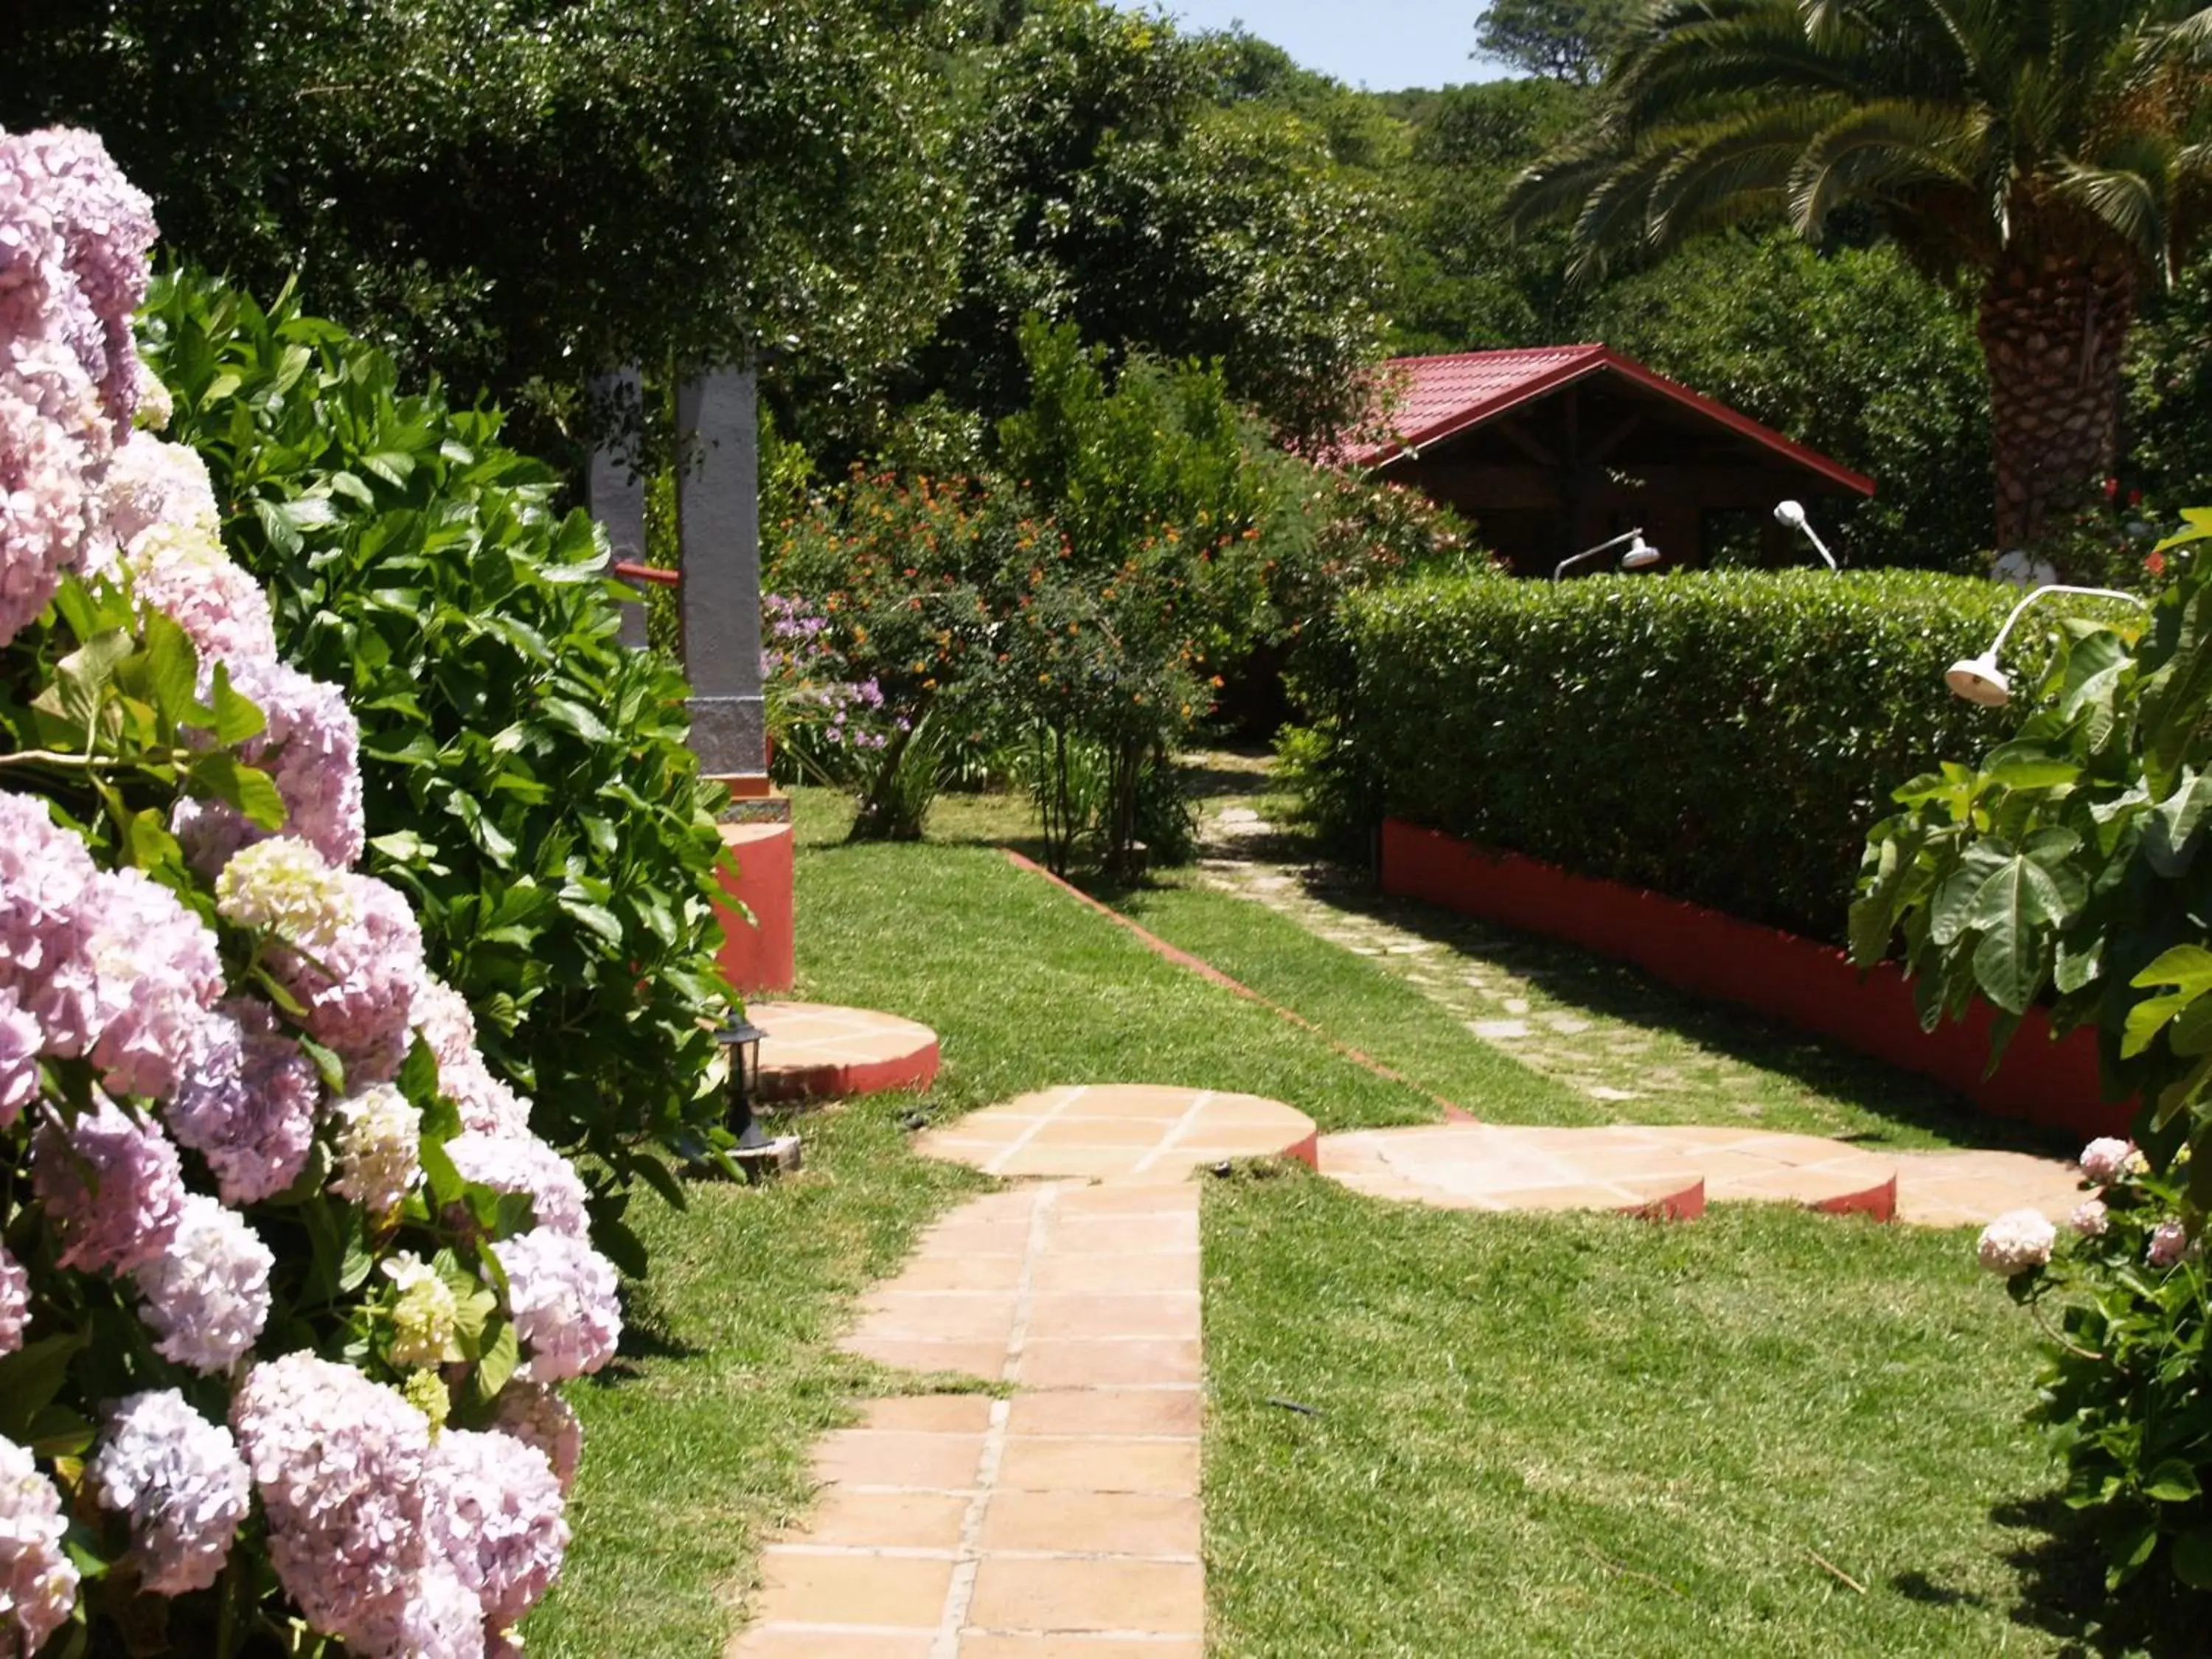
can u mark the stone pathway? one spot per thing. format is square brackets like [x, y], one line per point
[1632, 1051]
[1061, 1521]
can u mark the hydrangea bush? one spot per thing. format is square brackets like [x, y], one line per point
[2067, 871]
[286, 1283]
[2125, 1393]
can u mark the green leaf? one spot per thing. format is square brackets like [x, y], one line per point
[2013, 911]
[503, 1352]
[574, 717]
[247, 788]
[2172, 1482]
[31, 1376]
[237, 718]
[2192, 1558]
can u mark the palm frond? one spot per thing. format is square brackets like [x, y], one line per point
[2129, 202]
[1884, 152]
[1750, 157]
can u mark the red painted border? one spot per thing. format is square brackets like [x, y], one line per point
[913, 1071]
[1798, 982]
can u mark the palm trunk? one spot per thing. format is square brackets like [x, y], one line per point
[2052, 330]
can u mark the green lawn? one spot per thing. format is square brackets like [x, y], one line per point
[1585, 1435]
[1536, 1435]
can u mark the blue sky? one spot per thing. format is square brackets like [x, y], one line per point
[1383, 45]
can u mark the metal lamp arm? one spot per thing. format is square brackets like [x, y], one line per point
[1997, 644]
[1564, 565]
[1821, 548]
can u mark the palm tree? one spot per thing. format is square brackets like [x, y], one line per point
[2054, 151]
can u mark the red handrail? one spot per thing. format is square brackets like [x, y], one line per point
[649, 573]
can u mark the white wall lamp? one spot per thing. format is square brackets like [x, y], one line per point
[1979, 680]
[1641, 555]
[1790, 515]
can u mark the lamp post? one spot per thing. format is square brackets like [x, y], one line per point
[756, 1153]
[1980, 681]
[1790, 515]
[1641, 556]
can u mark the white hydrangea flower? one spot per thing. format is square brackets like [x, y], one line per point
[2015, 1241]
[286, 886]
[380, 1148]
[426, 1317]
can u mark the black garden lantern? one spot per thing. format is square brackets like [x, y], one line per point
[741, 1040]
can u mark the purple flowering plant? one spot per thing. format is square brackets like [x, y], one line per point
[274, 1372]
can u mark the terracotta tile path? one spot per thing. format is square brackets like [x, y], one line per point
[1061, 1523]
[1123, 1132]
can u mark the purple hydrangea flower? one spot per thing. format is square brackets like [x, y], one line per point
[524, 1163]
[14, 1302]
[246, 1101]
[38, 1583]
[181, 1479]
[495, 1511]
[562, 1295]
[112, 1187]
[206, 1296]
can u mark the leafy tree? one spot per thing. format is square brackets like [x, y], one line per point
[2169, 410]
[517, 193]
[2053, 152]
[1569, 41]
[1461, 280]
[1848, 351]
[1115, 189]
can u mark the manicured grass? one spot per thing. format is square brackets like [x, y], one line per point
[1592, 1436]
[1353, 1000]
[696, 1438]
[1027, 988]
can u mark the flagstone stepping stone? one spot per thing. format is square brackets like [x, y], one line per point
[1675, 1171]
[816, 1050]
[1122, 1132]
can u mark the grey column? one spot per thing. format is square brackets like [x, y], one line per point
[718, 504]
[617, 500]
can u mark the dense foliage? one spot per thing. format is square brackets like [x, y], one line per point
[1720, 737]
[519, 195]
[526, 780]
[2066, 869]
[1120, 183]
[285, 1278]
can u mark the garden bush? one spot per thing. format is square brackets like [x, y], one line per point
[2066, 869]
[525, 780]
[1721, 737]
[285, 1278]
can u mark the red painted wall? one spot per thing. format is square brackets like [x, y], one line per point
[757, 951]
[1798, 982]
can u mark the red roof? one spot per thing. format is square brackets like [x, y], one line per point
[1437, 397]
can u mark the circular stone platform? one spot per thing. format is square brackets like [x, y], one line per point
[1127, 1133]
[814, 1051]
[1669, 1171]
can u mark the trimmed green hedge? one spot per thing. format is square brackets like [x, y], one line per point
[1726, 738]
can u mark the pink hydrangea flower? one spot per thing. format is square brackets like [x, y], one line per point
[182, 571]
[339, 1463]
[524, 1163]
[158, 972]
[38, 1583]
[105, 227]
[112, 1187]
[206, 1296]
[149, 481]
[2104, 1160]
[495, 1511]
[563, 1297]
[246, 1102]
[534, 1414]
[181, 1479]
[2091, 1219]
[2169, 1243]
[46, 526]
[488, 1106]
[14, 1302]
[46, 878]
[2015, 1241]
[310, 749]
[360, 989]
[19, 1058]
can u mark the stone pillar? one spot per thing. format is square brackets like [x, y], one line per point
[617, 500]
[718, 504]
